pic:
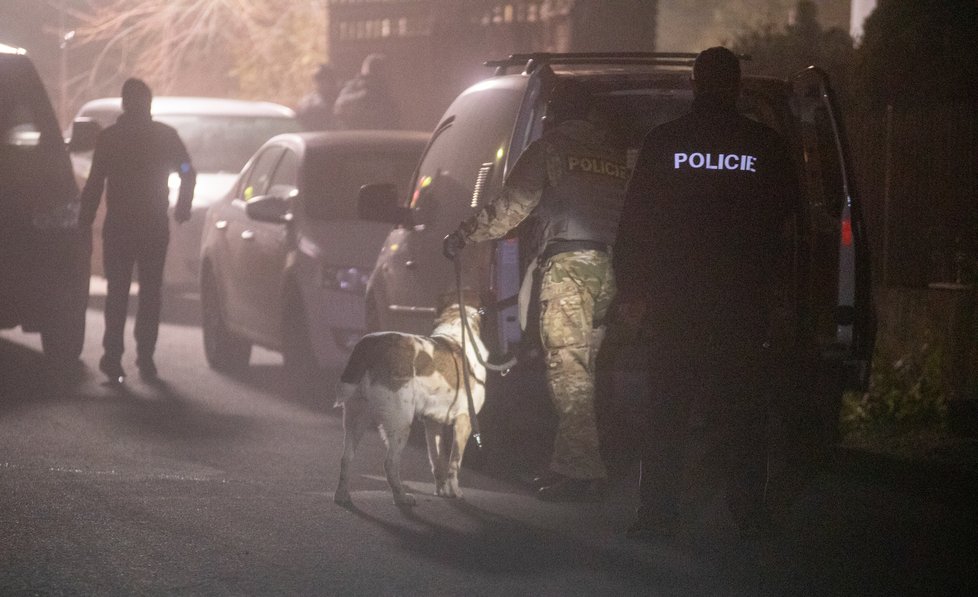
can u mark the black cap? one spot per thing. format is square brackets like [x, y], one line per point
[717, 69]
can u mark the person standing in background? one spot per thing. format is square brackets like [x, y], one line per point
[315, 110]
[365, 101]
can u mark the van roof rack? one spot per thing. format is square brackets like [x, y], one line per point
[535, 60]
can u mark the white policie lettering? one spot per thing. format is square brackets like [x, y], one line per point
[709, 161]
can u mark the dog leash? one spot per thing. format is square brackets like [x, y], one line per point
[503, 369]
[473, 417]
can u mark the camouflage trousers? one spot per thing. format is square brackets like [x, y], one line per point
[576, 290]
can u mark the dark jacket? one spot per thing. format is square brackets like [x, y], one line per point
[703, 221]
[133, 160]
[315, 112]
[365, 103]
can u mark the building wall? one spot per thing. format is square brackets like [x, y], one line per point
[437, 47]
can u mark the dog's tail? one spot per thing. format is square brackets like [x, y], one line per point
[356, 366]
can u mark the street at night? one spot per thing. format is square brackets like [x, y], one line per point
[692, 286]
[211, 485]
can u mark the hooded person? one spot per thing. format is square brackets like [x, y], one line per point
[365, 101]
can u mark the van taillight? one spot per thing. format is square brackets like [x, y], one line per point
[846, 232]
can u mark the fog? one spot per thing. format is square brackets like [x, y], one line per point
[268, 49]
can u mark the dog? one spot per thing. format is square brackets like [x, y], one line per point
[391, 378]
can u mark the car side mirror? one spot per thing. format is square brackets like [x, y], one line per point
[268, 208]
[378, 203]
[84, 131]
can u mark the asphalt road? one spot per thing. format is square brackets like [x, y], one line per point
[212, 485]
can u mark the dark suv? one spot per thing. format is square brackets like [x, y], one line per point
[44, 256]
[488, 125]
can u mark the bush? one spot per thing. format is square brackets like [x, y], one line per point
[905, 397]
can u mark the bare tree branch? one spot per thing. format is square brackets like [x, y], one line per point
[246, 48]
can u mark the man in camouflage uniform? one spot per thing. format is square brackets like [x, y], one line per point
[573, 180]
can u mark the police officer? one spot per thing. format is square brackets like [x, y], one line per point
[708, 209]
[133, 160]
[572, 179]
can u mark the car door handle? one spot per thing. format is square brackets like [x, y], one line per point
[411, 264]
[221, 224]
[248, 235]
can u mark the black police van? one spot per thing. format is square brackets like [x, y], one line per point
[44, 255]
[487, 126]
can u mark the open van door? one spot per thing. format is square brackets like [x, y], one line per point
[838, 296]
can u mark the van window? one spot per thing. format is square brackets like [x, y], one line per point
[822, 165]
[823, 176]
[466, 155]
[632, 113]
[20, 129]
[21, 112]
[36, 187]
[333, 181]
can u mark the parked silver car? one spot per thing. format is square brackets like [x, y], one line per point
[285, 256]
[220, 134]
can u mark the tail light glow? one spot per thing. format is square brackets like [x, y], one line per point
[846, 232]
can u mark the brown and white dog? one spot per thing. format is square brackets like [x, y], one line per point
[392, 377]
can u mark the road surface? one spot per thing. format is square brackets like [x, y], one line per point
[206, 484]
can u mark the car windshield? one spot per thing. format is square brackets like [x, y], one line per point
[333, 182]
[219, 143]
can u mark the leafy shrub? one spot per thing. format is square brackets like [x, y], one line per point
[905, 396]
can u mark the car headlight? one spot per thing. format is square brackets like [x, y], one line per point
[347, 279]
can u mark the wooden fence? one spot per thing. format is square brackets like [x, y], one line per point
[916, 170]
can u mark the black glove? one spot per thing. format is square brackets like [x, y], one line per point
[452, 244]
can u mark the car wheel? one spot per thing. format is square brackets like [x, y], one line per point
[297, 353]
[224, 350]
